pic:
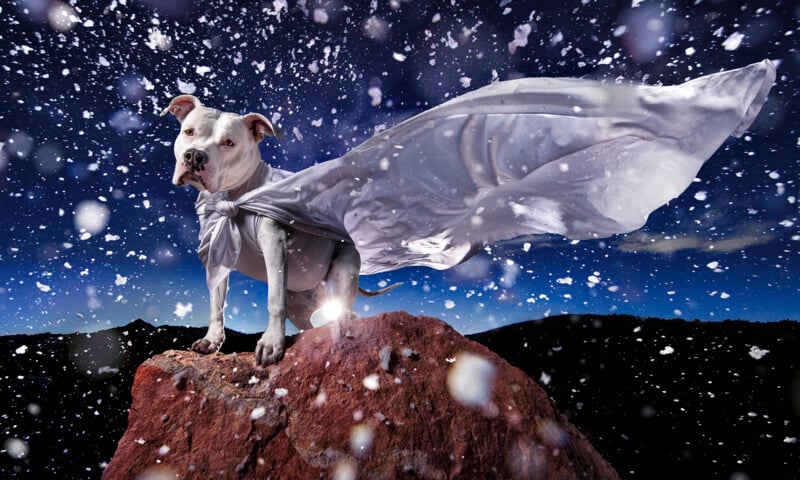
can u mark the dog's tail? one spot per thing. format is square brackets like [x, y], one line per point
[367, 293]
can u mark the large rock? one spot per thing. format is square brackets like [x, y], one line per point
[392, 396]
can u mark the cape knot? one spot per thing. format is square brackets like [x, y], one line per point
[227, 208]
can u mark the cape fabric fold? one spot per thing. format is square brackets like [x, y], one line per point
[578, 158]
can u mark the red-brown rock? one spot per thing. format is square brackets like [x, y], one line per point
[365, 398]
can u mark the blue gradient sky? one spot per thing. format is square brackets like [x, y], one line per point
[81, 88]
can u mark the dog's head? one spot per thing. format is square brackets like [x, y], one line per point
[215, 150]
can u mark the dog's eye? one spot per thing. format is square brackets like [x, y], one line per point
[229, 143]
[189, 131]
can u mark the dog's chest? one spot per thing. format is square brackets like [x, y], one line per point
[309, 257]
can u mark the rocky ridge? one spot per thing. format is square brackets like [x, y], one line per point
[391, 396]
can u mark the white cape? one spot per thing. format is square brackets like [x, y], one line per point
[578, 158]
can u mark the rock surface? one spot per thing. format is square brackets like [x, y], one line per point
[391, 396]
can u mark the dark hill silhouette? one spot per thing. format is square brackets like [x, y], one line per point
[702, 408]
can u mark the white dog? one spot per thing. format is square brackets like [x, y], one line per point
[577, 158]
[218, 151]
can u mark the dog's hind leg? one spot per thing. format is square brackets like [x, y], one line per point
[341, 283]
[216, 322]
[300, 306]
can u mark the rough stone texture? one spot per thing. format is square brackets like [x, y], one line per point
[314, 416]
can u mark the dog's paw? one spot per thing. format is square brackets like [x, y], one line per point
[205, 346]
[269, 350]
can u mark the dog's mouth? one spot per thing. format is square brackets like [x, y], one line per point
[191, 178]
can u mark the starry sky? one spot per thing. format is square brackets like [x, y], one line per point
[93, 234]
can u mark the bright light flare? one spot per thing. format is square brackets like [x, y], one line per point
[330, 311]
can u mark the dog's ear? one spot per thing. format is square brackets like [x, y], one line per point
[181, 105]
[260, 127]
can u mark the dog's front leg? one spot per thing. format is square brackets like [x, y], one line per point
[272, 240]
[216, 322]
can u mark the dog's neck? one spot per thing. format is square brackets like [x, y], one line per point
[261, 175]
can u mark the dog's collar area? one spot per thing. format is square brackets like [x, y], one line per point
[218, 203]
[226, 208]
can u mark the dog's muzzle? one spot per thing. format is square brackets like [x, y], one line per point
[195, 160]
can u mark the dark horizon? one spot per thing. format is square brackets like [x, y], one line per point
[520, 324]
[657, 398]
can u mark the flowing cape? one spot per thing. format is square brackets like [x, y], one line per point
[579, 158]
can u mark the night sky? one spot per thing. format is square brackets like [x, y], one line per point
[94, 234]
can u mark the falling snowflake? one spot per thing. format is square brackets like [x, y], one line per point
[91, 217]
[757, 353]
[733, 41]
[257, 413]
[520, 37]
[371, 382]
[361, 437]
[470, 380]
[182, 309]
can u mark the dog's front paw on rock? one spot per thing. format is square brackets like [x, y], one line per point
[269, 350]
[205, 346]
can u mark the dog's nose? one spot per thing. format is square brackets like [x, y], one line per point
[195, 159]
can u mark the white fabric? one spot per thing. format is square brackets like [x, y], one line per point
[579, 158]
